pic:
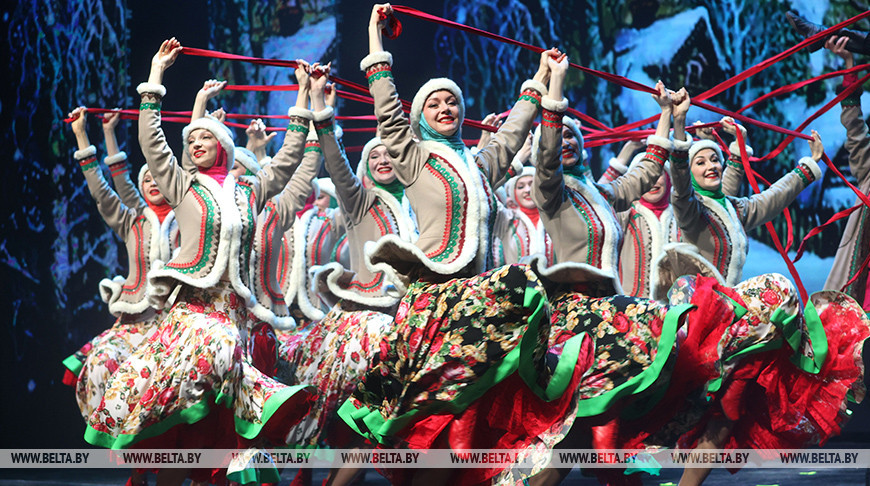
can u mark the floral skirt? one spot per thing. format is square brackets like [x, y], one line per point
[333, 356]
[465, 366]
[93, 364]
[196, 365]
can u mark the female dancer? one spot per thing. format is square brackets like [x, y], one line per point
[520, 233]
[193, 383]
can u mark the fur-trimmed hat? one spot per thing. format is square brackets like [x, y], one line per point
[699, 145]
[247, 159]
[640, 155]
[511, 185]
[326, 185]
[574, 126]
[218, 129]
[361, 171]
[431, 86]
[141, 179]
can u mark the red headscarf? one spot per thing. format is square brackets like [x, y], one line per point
[659, 207]
[219, 170]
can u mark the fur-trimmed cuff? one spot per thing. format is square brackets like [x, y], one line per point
[809, 170]
[114, 159]
[681, 145]
[660, 142]
[323, 115]
[383, 57]
[553, 105]
[300, 112]
[85, 153]
[734, 149]
[616, 165]
[153, 88]
[535, 85]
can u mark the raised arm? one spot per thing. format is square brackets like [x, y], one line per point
[760, 208]
[497, 155]
[272, 178]
[618, 165]
[353, 199]
[118, 166]
[548, 186]
[732, 174]
[628, 188]
[688, 209]
[393, 126]
[292, 198]
[852, 118]
[209, 90]
[258, 138]
[114, 213]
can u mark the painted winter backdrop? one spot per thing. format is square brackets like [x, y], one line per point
[55, 248]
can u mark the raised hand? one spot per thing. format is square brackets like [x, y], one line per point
[543, 73]
[663, 97]
[331, 94]
[837, 45]
[319, 76]
[302, 73]
[492, 120]
[220, 114]
[704, 133]
[212, 87]
[79, 117]
[380, 12]
[816, 147]
[110, 120]
[730, 127]
[167, 54]
[681, 102]
[258, 138]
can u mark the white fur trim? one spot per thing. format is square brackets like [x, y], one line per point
[612, 229]
[247, 159]
[162, 280]
[327, 282]
[406, 227]
[216, 128]
[636, 160]
[326, 185]
[658, 234]
[705, 144]
[339, 132]
[556, 106]
[300, 112]
[431, 86]
[736, 234]
[114, 159]
[511, 184]
[680, 248]
[110, 288]
[535, 85]
[152, 88]
[375, 58]
[682, 145]
[361, 171]
[574, 272]
[662, 142]
[813, 166]
[299, 273]
[618, 166]
[323, 115]
[734, 149]
[84, 153]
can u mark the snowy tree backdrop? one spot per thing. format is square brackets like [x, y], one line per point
[54, 248]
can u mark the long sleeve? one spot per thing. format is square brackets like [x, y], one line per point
[858, 140]
[548, 186]
[272, 179]
[292, 198]
[353, 198]
[688, 209]
[732, 174]
[393, 126]
[629, 187]
[497, 155]
[171, 179]
[760, 208]
[124, 186]
[116, 215]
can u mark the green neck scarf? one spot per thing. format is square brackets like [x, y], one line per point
[716, 195]
[395, 188]
[453, 141]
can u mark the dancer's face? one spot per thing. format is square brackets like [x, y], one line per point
[441, 111]
[381, 166]
[707, 169]
[322, 202]
[571, 153]
[150, 191]
[202, 148]
[657, 191]
[238, 170]
[523, 192]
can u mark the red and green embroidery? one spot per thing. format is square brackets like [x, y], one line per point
[88, 163]
[531, 96]
[594, 228]
[454, 210]
[551, 119]
[207, 229]
[656, 153]
[248, 223]
[140, 258]
[323, 127]
[268, 234]
[640, 256]
[378, 71]
[119, 168]
[312, 146]
[805, 174]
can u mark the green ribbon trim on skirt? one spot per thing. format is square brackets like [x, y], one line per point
[191, 415]
[596, 405]
[73, 364]
[371, 424]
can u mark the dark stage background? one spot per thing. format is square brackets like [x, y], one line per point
[54, 248]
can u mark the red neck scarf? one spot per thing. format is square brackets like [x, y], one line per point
[309, 203]
[161, 210]
[219, 170]
[659, 207]
[533, 214]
